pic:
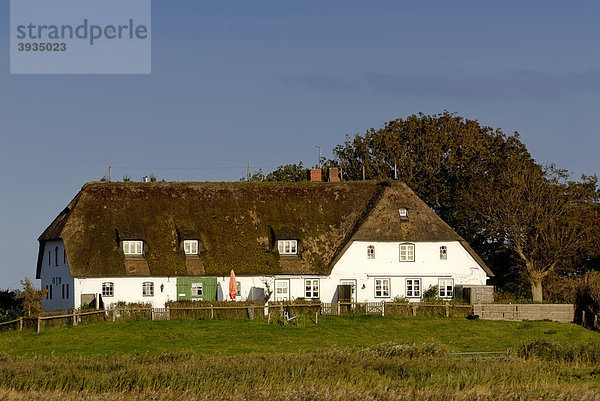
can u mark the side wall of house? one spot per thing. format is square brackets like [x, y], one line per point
[56, 278]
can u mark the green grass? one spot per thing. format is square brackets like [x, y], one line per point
[230, 337]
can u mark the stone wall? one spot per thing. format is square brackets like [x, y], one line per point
[556, 312]
[476, 294]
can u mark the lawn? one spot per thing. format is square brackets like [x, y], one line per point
[228, 337]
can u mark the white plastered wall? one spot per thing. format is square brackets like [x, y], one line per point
[129, 289]
[56, 277]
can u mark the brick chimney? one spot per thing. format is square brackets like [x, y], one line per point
[315, 175]
[334, 174]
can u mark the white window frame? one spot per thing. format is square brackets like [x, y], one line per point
[371, 252]
[311, 288]
[108, 289]
[287, 246]
[133, 247]
[384, 287]
[407, 252]
[197, 290]
[413, 287]
[190, 246]
[280, 294]
[443, 252]
[403, 212]
[148, 289]
[445, 290]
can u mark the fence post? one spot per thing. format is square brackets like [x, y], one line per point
[212, 312]
[21, 323]
[382, 308]
[414, 310]
[447, 310]
[316, 317]
[338, 307]
[269, 317]
[39, 324]
[74, 323]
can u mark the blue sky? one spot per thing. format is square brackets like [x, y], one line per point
[265, 82]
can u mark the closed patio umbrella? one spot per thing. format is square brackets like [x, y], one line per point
[232, 285]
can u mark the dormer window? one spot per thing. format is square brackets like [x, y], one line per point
[133, 248]
[288, 247]
[403, 213]
[190, 246]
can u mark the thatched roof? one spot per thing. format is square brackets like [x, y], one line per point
[237, 224]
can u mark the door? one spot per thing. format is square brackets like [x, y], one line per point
[282, 290]
[352, 283]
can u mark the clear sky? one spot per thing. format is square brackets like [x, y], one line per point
[237, 82]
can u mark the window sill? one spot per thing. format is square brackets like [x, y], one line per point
[192, 256]
[286, 256]
[134, 257]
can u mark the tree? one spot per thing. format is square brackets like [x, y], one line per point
[32, 298]
[461, 168]
[443, 158]
[541, 216]
[284, 173]
[288, 173]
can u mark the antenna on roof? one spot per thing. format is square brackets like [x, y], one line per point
[109, 173]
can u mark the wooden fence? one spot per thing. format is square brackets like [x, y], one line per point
[275, 310]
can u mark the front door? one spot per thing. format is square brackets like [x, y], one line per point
[282, 290]
[350, 282]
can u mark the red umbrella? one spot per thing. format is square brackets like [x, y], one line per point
[232, 285]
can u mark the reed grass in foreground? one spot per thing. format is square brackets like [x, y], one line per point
[383, 372]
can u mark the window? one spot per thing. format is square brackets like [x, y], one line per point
[133, 247]
[67, 291]
[288, 247]
[311, 289]
[148, 289]
[47, 292]
[282, 290]
[370, 252]
[446, 286]
[382, 288]
[403, 213]
[50, 291]
[63, 291]
[197, 290]
[190, 246]
[64, 256]
[238, 288]
[443, 252]
[413, 287]
[56, 256]
[49, 258]
[407, 252]
[108, 289]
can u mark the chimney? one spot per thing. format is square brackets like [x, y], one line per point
[315, 175]
[334, 174]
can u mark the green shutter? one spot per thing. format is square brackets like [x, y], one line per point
[184, 288]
